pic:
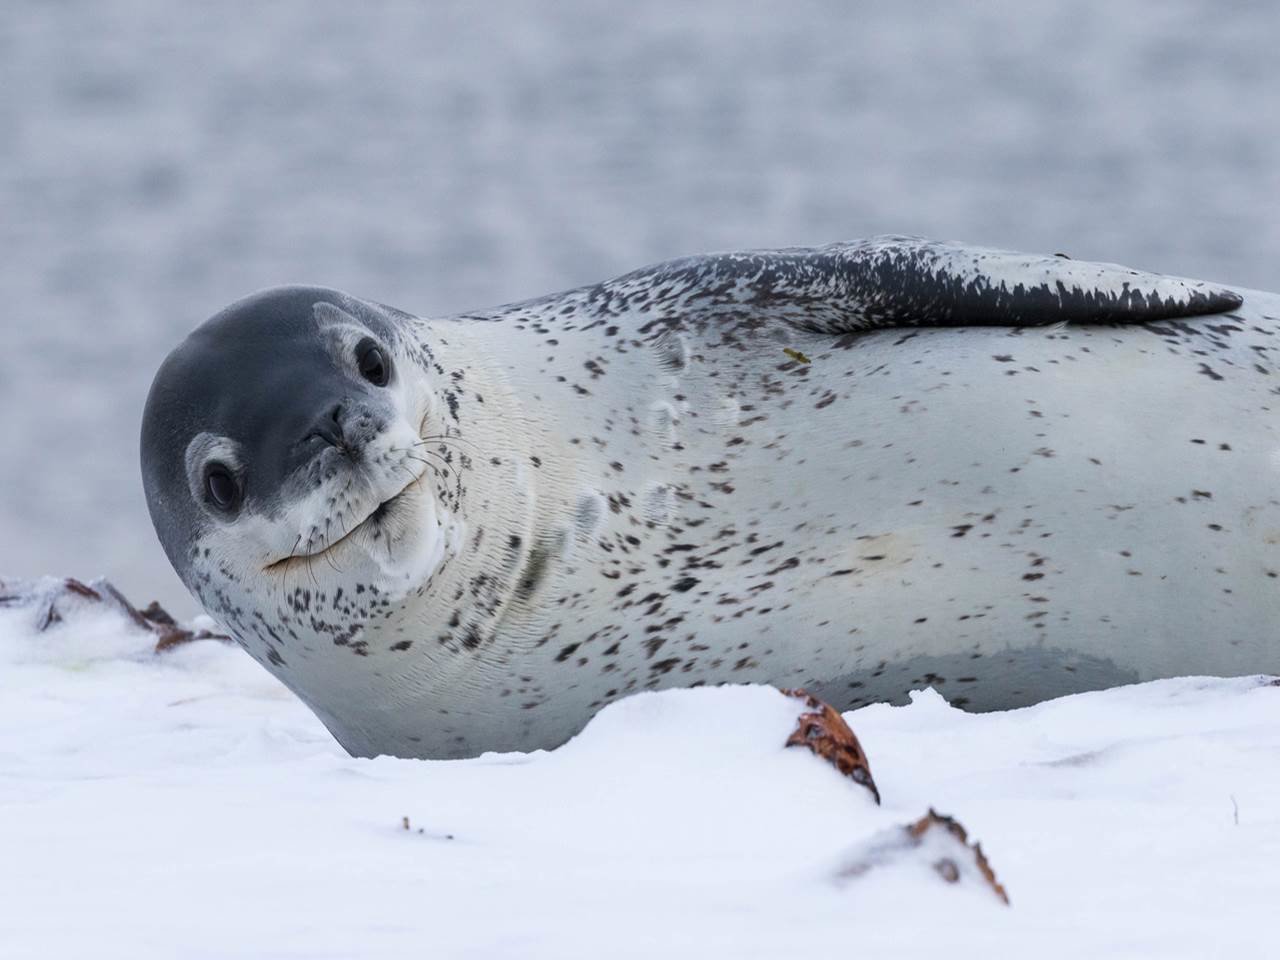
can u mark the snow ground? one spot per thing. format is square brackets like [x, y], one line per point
[186, 805]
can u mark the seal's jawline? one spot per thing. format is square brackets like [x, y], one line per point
[283, 564]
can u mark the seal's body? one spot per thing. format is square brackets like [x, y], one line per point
[861, 469]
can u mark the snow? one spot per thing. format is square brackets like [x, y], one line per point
[186, 805]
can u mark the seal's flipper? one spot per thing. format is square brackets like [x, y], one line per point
[906, 281]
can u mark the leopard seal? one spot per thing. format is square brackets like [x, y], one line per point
[858, 469]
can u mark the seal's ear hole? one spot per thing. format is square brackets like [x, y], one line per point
[221, 486]
[373, 362]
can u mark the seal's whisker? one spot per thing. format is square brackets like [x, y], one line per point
[345, 530]
[324, 550]
[429, 443]
[311, 572]
[428, 464]
[329, 559]
[443, 465]
[446, 438]
[444, 442]
[416, 477]
[284, 580]
[438, 475]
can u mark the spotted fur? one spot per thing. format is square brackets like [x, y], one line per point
[860, 469]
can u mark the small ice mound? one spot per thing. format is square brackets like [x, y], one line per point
[731, 727]
[927, 709]
[688, 725]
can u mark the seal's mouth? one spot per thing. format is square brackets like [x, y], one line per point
[375, 516]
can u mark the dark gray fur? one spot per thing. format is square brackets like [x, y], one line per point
[256, 373]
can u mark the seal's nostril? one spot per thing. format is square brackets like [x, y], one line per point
[329, 428]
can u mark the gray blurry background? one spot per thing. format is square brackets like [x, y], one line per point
[158, 160]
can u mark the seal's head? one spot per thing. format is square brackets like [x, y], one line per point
[285, 436]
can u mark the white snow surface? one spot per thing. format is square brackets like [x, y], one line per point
[186, 805]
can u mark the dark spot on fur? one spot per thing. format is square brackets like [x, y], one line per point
[535, 570]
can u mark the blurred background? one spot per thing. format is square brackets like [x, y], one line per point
[160, 159]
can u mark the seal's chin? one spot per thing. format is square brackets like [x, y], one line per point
[367, 526]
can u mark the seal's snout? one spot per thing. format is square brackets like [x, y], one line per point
[343, 427]
[328, 428]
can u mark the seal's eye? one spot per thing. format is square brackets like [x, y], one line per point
[373, 362]
[222, 486]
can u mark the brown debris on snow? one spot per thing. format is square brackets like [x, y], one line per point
[946, 866]
[825, 733]
[46, 597]
[935, 840]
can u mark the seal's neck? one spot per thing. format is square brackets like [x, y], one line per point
[488, 455]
